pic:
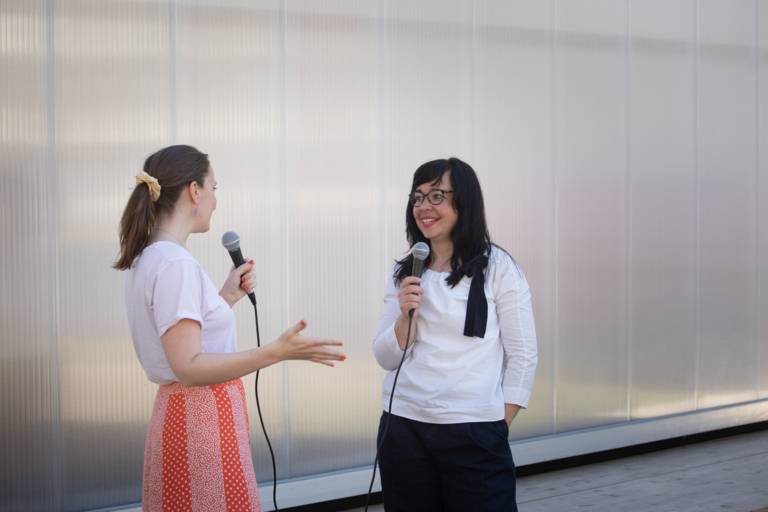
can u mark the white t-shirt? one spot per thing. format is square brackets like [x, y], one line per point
[164, 285]
[451, 378]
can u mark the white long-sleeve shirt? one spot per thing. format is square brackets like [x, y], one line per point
[451, 378]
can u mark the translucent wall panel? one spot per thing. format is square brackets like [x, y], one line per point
[591, 216]
[762, 201]
[110, 104]
[426, 59]
[334, 227]
[726, 195]
[512, 120]
[621, 146]
[29, 416]
[662, 334]
[229, 99]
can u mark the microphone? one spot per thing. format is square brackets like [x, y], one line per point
[420, 252]
[231, 242]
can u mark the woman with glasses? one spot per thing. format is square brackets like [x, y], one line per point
[469, 361]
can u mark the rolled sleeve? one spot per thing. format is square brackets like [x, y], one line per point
[177, 294]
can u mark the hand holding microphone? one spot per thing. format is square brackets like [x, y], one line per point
[410, 294]
[410, 287]
[242, 279]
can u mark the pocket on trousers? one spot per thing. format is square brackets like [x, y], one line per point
[382, 422]
[490, 436]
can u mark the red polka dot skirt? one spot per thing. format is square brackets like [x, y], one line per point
[198, 454]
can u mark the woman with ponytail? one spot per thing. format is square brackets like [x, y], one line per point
[469, 362]
[197, 453]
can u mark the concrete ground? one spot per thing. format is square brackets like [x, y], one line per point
[728, 474]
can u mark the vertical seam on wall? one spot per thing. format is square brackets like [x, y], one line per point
[628, 218]
[383, 145]
[172, 51]
[283, 172]
[555, 208]
[472, 85]
[757, 324]
[696, 207]
[54, 270]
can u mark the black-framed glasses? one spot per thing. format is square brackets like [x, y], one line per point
[435, 196]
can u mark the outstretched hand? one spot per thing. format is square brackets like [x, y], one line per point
[292, 345]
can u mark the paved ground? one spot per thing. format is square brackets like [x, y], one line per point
[729, 474]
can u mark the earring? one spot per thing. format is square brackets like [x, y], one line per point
[194, 211]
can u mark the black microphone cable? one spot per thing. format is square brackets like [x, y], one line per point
[231, 242]
[389, 411]
[261, 418]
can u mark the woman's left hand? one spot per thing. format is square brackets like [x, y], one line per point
[510, 411]
[241, 280]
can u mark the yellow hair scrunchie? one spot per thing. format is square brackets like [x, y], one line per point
[152, 184]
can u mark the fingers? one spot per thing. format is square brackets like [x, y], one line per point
[331, 356]
[310, 349]
[248, 281]
[410, 294]
[407, 307]
[410, 280]
[245, 267]
[411, 285]
[317, 350]
[412, 291]
[247, 276]
[327, 357]
[325, 361]
[316, 342]
[317, 346]
[296, 329]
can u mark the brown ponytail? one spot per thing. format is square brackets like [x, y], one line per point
[175, 167]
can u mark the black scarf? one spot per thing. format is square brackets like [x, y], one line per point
[477, 305]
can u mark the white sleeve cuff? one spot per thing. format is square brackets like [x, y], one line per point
[516, 396]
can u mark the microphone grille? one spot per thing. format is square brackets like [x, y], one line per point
[420, 251]
[231, 241]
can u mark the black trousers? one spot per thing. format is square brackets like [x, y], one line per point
[428, 467]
